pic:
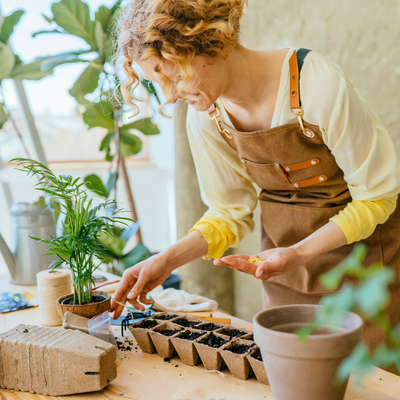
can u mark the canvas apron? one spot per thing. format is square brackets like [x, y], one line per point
[302, 187]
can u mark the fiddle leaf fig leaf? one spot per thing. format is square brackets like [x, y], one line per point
[48, 19]
[74, 17]
[9, 22]
[95, 184]
[148, 85]
[112, 243]
[101, 114]
[105, 15]
[143, 125]
[86, 83]
[7, 61]
[3, 115]
[32, 71]
[130, 144]
[99, 37]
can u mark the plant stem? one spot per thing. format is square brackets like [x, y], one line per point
[129, 195]
[117, 143]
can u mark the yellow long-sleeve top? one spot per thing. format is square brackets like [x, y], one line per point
[352, 131]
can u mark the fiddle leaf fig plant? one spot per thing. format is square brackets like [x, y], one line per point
[369, 299]
[85, 220]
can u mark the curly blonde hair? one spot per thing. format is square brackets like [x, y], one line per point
[177, 31]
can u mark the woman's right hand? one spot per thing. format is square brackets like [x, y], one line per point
[137, 281]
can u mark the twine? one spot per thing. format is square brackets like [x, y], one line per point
[125, 306]
[51, 286]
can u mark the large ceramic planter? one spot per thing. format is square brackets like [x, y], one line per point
[303, 370]
[85, 310]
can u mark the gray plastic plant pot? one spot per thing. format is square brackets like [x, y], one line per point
[304, 370]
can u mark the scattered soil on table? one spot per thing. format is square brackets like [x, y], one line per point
[213, 341]
[166, 317]
[167, 332]
[146, 324]
[189, 335]
[166, 359]
[232, 332]
[125, 345]
[186, 323]
[238, 348]
[96, 298]
[208, 327]
[257, 355]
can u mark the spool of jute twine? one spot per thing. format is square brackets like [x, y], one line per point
[51, 286]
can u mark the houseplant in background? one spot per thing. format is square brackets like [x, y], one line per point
[78, 247]
[94, 92]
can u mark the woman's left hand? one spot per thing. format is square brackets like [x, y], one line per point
[275, 262]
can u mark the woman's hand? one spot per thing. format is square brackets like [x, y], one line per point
[137, 281]
[275, 262]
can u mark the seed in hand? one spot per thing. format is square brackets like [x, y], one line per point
[255, 260]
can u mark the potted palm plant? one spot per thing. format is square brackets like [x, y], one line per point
[78, 248]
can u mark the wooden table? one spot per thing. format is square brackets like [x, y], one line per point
[147, 377]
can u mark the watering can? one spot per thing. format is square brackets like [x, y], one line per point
[25, 257]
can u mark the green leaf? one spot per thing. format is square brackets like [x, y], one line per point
[143, 125]
[129, 232]
[149, 86]
[112, 243]
[86, 83]
[50, 62]
[3, 115]
[105, 15]
[9, 22]
[95, 184]
[74, 17]
[32, 71]
[34, 34]
[110, 183]
[129, 144]
[372, 296]
[99, 37]
[48, 19]
[136, 255]
[101, 114]
[7, 61]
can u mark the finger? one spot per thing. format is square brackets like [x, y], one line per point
[218, 261]
[143, 299]
[120, 295]
[136, 304]
[269, 267]
[138, 287]
[236, 257]
[243, 266]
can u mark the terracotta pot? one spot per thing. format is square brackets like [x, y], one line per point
[85, 310]
[303, 370]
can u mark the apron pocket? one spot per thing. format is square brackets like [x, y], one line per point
[271, 177]
[287, 224]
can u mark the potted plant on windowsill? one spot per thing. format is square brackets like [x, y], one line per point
[78, 247]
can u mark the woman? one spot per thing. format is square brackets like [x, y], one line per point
[325, 163]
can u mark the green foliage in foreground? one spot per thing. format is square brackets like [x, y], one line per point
[79, 246]
[369, 299]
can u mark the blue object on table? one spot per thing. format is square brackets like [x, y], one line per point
[126, 320]
[172, 282]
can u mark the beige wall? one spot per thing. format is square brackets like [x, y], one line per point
[362, 36]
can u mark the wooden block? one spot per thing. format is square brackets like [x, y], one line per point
[220, 320]
[200, 314]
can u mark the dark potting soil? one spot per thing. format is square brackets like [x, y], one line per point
[186, 323]
[232, 332]
[146, 324]
[213, 341]
[208, 327]
[250, 337]
[189, 335]
[165, 317]
[96, 298]
[167, 332]
[257, 355]
[238, 348]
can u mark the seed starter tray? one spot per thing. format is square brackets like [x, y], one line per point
[257, 365]
[151, 336]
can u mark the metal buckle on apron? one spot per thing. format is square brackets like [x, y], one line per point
[214, 115]
[298, 112]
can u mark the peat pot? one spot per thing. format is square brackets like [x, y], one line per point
[304, 370]
[85, 310]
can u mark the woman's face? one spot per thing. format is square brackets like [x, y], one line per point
[206, 87]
